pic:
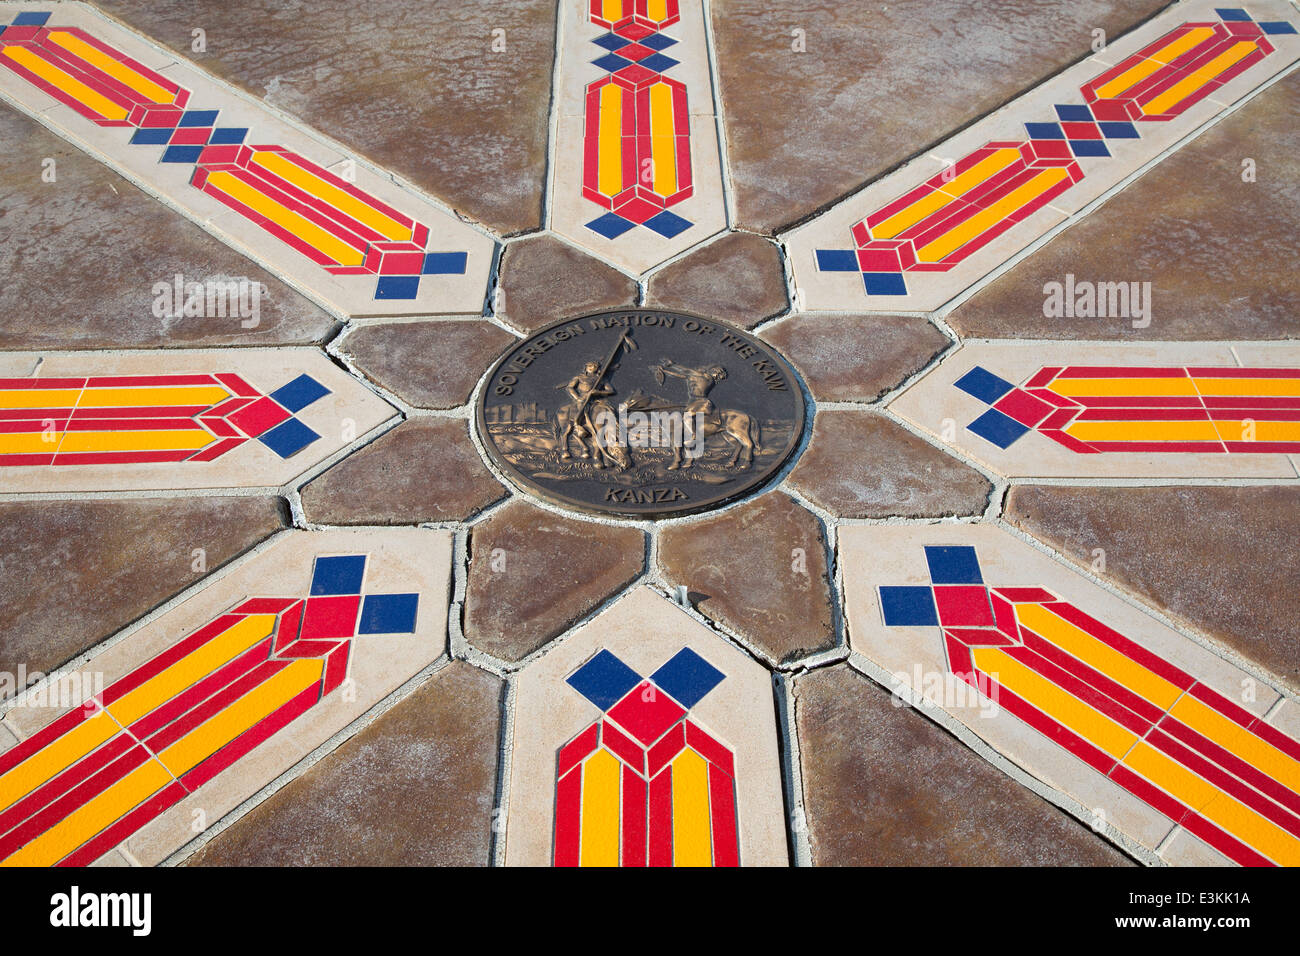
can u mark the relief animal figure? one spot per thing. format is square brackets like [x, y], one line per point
[702, 419]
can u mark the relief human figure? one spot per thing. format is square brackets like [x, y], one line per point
[702, 418]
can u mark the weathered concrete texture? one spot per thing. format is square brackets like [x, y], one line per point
[1224, 560]
[80, 257]
[738, 278]
[876, 84]
[1220, 253]
[760, 570]
[427, 364]
[533, 573]
[855, 358]
[864, 465]
[414, 86]
[425, 469]
[883, 786]
[415, 788]
[74, 572]
[544, 280]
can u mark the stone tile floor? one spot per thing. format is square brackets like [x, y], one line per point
[1022, 598]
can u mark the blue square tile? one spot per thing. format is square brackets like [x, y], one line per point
[908, 607]
[32, 19]
[1088, 147]
[604, 680]
[338, 575]
[983, 384]
[658, 42]
[611, 42]
[397, 287]
[884, 283]
[612, 62]
[953, 565]
[1001, 430]
[389, 614]
[1119, 130]
[181, 154]
[1044, 131]
[198, 118]
[227, 136]
[1276, 27]
[667, 224]
[288, 438]
[1233, 14]
[611, 225]
[837, 260]
[1073, 113]
[445, 263]
[687, 677]
[659, 62]
[299, 393]
[151, 137]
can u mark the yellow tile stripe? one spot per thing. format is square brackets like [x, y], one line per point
[663, 140]
[1098, 655]
[260, 702]
[1236, 739]
[340, 199]
[39, 397]
[600, 810]
[931, 203]
[92, 817]
[1157, 60]
[612, 10]
[1125, 387]
[1233, 429]
[692, 832]
[193, 667]
[114, 68]
[1088, 723]
[144, 397]
[657, 10]
[968, 229]
[1216, 806]
[610, 176]
[136, 440]
[67, 83]
[1186, 87]
[54, 758]
[30, 443]
[1144, 431]
[306, 230]
[1263, 385]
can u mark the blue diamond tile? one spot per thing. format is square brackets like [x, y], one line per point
[1119, 130]
[953, 565]
[612, 63]
[983, 384]
[1233, 14]
[32, 19]
[198, 118]
[687, 677]
[397, 287]
[611, 225]
[604, 680]
[1088, 147]
[227, 136]
[837, 260]
[659, 62]
[299, 393]
[181, 154]
[668, 224]
[611, 42]
[658, 42]
[884, 283]
[341, 574]
[288, 438]
[908, 607]
[445, 263]
[1276, 27]
[389, 614]
[1074, 113]
[151, 137]
[1002, 430]
[1044, 131]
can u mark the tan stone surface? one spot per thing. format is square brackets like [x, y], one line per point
[1219, 252]
[885, 787]
[738, 278]
[74, 572]
[760, 570]
[427, 364]
[863, 465]
[1224, 560]
[533, 573]
[544, 280]
[855, 358]
[414, 788]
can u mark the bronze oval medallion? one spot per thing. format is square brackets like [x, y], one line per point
[640, 413]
